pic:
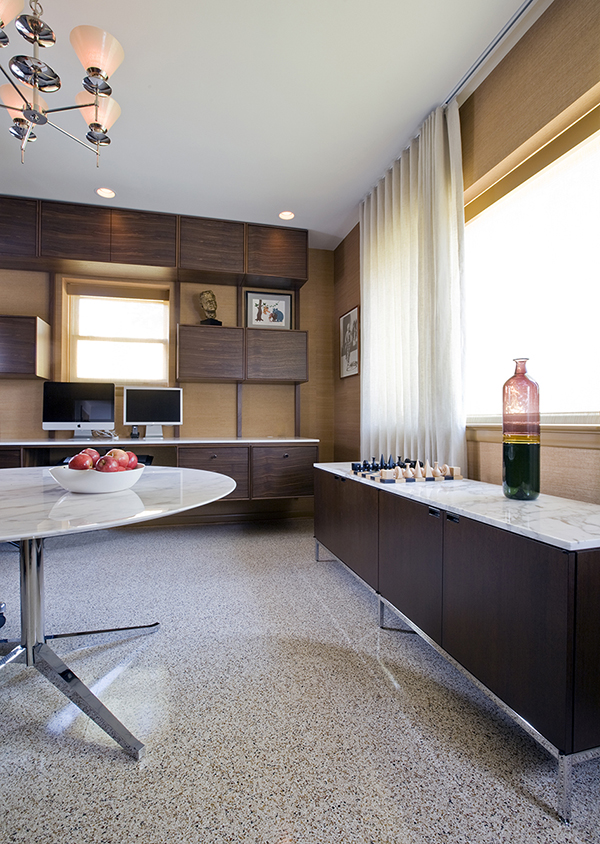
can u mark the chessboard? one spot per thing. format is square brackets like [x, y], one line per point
[406, 471]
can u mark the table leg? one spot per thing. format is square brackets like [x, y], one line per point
[34, 651]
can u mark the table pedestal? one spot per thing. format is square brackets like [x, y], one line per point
[34, 651]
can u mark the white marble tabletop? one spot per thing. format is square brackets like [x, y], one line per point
[33, 505]
[562, 522]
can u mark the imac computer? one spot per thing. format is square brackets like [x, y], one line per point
[79, 407]
[152, 407]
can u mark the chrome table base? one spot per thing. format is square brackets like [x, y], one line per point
[32, 649]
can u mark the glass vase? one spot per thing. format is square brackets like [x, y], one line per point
[521, 435]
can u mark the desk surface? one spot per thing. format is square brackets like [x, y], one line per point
[33, 505]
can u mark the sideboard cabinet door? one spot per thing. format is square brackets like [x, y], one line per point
[24, 347]
[410, 560]
[276, 355]
[284, 471]
[141, 237]
[508, 605]
[346, 522]
[278, 252]
[227, 460]
[586, 732]
[10, 458]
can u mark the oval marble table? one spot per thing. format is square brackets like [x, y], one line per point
[33, 507]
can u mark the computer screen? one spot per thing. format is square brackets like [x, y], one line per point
[78, 406]
[152, 407]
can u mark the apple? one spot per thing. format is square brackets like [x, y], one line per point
[95, 455]
[107, 464]
[81, 461]
[120, 456]
[133, 461]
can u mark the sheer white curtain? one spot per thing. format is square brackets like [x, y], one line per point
[412, 232]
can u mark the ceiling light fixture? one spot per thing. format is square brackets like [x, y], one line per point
[107, 193]
[98, 52]
[287, 215]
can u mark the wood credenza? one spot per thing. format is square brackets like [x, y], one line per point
[507, 590]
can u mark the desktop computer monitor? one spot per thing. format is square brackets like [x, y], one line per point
[152, 407]
[79, 407]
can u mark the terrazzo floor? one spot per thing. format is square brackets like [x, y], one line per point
[273, 708]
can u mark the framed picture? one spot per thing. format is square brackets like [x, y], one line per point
[268, 310]
[349, 344]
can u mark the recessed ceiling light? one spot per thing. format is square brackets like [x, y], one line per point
[287, 215]
[107, 193]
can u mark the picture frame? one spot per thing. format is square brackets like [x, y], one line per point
[268, 310]
[349, 343]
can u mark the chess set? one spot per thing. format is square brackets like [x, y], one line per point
[400, 471]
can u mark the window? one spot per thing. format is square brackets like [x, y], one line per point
[119, 335]
[533, 289]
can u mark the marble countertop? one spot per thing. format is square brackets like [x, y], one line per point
[33, 505]
[562, 522]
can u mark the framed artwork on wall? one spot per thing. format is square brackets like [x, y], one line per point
[349, 343]
[268, 310]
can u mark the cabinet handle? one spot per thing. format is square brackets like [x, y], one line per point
[286, 454]
[213, 456]
[450, 517]
[434, 512]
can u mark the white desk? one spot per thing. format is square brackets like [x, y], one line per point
[33, 506]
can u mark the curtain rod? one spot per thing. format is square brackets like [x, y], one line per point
[489, 49]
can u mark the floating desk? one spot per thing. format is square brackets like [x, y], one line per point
[33, 507]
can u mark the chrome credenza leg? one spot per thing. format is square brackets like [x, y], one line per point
[565, 787]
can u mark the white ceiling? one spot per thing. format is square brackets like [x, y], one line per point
[240, 109]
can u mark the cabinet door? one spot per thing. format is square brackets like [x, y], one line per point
[410, 560]
[283, 471]
[140, 237]
[211, 245]
[10, 458]
[210, 353]
[278, 252]
[231, 461]
[79, 232]
[274, 355]
[586, 731]
[18, 227]
[24, 347]
[346, 522]
[508, 617]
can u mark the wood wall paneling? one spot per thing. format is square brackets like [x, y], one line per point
[18, 227]
[78, 232]
[347, 390]
[211, 245]
[141, 237]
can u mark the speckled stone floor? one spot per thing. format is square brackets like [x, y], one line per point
[274, 709]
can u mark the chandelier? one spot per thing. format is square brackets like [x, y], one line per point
[99, 53]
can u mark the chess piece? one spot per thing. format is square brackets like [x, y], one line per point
[208, 302]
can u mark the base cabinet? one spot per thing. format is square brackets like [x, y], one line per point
[346, 523]
[283, 471]
[410, 561]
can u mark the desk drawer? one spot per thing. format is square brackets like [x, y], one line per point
[231, 461]
[283, 471]
[10, 458]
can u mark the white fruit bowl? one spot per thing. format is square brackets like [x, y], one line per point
[91, 481]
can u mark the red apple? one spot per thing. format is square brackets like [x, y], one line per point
[95, 455]
[133, 461]
[81, 461]
[120, 456]
[107, 464]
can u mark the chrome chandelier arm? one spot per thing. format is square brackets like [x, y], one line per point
[16, 87]
[69, 135]
[68, 108]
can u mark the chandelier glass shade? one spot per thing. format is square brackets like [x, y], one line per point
[99, 53]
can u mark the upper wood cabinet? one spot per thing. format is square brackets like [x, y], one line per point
[211, 245]
[141, 237]
[79, 232]
[276, 355]
[18, 227]
[210, 353]
[276, 251]
[24, 347]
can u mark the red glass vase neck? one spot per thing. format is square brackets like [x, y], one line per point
[521, 405]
